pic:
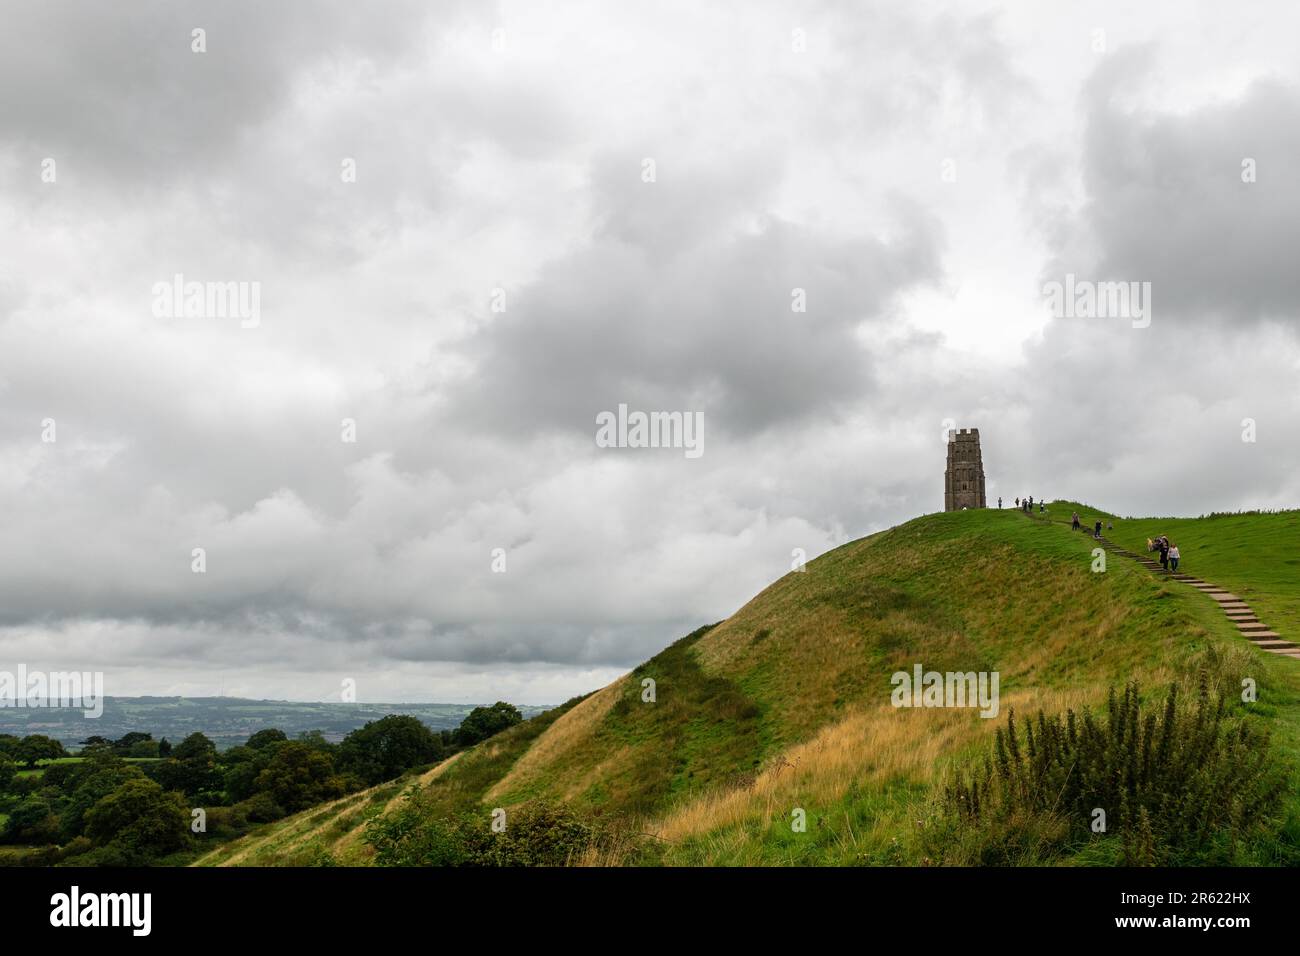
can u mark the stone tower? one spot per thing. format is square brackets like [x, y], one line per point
[963, 481]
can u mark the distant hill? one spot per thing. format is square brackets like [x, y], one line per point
[786, 705]
[226, 720]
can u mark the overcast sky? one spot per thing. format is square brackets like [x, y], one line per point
[501, 271]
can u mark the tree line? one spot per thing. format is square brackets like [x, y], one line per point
[139, 801]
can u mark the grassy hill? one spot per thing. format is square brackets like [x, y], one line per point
[785, 706]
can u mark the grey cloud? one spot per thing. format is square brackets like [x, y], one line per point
[1166, 203]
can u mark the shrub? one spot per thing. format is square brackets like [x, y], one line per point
[260, 808]
[1171, 785]
[536, 834]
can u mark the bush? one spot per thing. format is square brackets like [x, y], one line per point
[536, 834]
[1173, 786]
[260, 808]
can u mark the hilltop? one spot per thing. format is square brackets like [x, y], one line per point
[785, 705]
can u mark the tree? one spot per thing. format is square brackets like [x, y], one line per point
[32, 821]
[299, 776]
[139, 818]
[240, 768]
[483, 722]
[9, 746]
[195, 747]
[266, 738]
[383, 748]
[123, 745]
[99, 774]
[164, 748]
[38, 747]
[8, 770]
[191, 768]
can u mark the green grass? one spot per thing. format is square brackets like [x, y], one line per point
[1256, 556]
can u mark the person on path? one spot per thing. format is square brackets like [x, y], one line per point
[999, 502]
[1042, 508]
[1164, 552]
[1097, 530]
[1017, 502]
[1074, 522]
[1173, 557]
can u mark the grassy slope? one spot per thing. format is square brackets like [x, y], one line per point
[785, 705]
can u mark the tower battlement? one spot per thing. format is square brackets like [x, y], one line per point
[963, 479]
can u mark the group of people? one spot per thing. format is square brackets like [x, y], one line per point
[1096, 528]
[1027, 505]
[1169, 554]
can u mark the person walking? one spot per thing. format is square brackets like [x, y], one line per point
[1074, 522]
[1017, 501]
[1173, 557]
[1042, 507]
[1096, 533]
[1164, 553]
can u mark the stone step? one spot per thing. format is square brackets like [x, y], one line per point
[1261, 636]
[1251, 625]
[1223, 597]
[1276, 645]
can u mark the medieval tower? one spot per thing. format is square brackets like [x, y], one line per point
[963, 481]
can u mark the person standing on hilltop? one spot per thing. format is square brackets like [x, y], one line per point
[1017, 502]
[1042, 507]
[1173, 557]
[999, 502]
[1096, 533]
[1074, 521]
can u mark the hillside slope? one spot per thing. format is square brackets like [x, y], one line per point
[785, 705]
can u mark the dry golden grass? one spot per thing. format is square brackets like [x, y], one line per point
[570, 732]
[870, 745]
